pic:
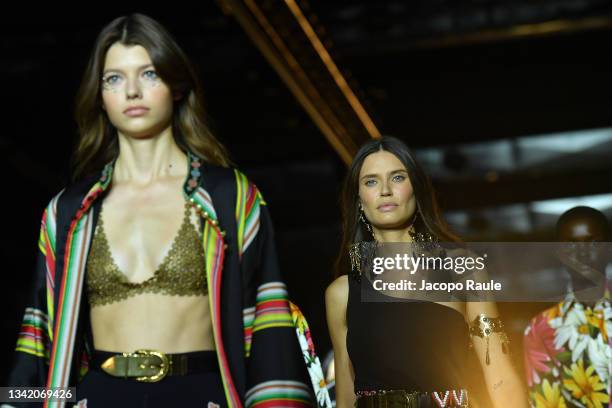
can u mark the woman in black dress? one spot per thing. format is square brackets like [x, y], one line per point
[406, 354]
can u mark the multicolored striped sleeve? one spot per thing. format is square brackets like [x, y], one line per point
[30, 363]
[276, 373]
[271, 310]
[33, 338]
[278, 394]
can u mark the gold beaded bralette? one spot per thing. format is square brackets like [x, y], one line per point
[181, 273]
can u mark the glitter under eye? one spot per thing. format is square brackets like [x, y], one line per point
[111, 79]
[151, 75]
[111, 82]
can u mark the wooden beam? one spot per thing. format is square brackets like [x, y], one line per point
[293, 47]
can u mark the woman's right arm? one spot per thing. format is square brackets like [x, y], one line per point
[336, 298]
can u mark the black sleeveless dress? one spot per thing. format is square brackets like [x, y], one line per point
[412, 346]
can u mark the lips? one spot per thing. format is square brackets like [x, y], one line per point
[387, 207]
[136, 111]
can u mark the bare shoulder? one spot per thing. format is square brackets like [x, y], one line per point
[337, 292]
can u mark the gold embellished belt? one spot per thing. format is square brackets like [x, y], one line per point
[412, 399]
[152, 366]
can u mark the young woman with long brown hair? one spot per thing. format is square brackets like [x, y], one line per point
[405, 353]
[157, 281]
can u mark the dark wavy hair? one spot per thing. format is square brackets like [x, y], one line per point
[97, 142]
[428, 215]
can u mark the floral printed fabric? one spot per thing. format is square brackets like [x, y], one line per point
[315, 371]
[568, 355]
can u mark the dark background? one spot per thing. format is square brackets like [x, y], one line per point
[415, 68]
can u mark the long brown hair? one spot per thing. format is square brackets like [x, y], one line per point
[428, 218]
[97, 141]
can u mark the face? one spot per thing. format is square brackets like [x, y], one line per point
[138, 103]
[585, 232]
[385, 191]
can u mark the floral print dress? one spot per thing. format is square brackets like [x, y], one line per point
[568, 355]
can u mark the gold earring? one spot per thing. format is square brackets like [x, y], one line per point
[365, 222]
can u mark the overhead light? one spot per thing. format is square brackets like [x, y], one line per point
[602, 202]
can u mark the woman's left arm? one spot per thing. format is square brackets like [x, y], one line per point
[490, 342]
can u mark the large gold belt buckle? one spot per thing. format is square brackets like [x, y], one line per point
[164, 366]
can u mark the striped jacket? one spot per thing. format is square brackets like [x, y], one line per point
[262, 361]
